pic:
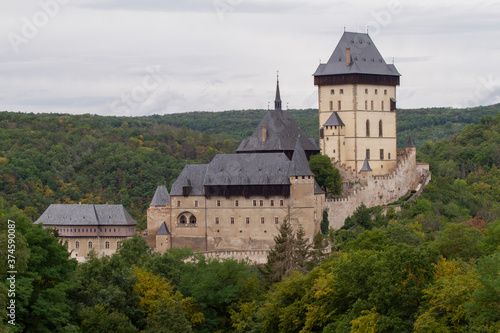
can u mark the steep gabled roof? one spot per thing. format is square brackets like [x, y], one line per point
[299, 165]
[163, 230]
[161, 197]
[282, 133]
[248, 169]
[366, 166]
[334, 120]
[410, 143]
[191, 176]
[365, 58]
[60, 214]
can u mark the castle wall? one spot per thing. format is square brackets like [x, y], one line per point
[377, 190]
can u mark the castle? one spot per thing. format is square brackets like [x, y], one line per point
[237, 201]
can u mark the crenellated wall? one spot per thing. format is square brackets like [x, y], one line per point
[377, 190]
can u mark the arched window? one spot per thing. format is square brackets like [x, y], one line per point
[90, 244]
[367, 127]
[380, 130]
[366, 105]
[106, 244]
[192, 219]
[183, 219]
[77, 245]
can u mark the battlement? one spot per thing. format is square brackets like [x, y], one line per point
[378, 190]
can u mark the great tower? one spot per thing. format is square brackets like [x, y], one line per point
[357, 105]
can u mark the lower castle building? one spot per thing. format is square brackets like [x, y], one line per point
[87, 228]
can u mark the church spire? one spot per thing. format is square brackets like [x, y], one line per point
[277, 100]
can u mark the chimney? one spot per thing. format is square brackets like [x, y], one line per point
[264, 133]
[348, 56]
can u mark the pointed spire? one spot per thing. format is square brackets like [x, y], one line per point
[163, 230]
[300, 165]
[410, 143]
[161, 197]
[366, 166]
[277, 100]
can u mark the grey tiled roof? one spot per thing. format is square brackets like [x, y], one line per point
[365, 58]
[366, 166]
[299, 165]
[248, 169]
[282, 133]
[410, 143]
[192, 175]
[59, 214]
[163, 230]
[334, 120]
[161, 197]
[317, 188]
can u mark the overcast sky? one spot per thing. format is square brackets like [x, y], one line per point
[142, 57]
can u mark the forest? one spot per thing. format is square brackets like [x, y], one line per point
[433, 267]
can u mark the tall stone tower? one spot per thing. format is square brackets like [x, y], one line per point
[357, 105]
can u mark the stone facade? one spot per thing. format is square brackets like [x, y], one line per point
[87, 228]
[237, 223]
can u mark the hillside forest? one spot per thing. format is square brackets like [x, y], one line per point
[432, 267]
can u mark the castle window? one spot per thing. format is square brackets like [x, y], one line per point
[366, 91]
[196, 203]
[340, 105]
[236, 203]
[381, 154]
[183, 219]
[90, 244]
[331, 105]
[178, 203]
[281, 203]
[218, 203]
[261, 220]
[232, 220]
[106, 245]
[77, 245]
[334, 151]
[261, 203]
[368, 153]
[382, 105]
[276, 220]
[216, 220]
[272, 203]
[192, 219]
[366, 105]
[389, 155]
[321, 133]
[247, 220]
[371, 105]
[254, 203]
[341, 91]
[332, 92]
[118, 244]
[380, 128]
[385, 91]
[376, 91]
[367, 127]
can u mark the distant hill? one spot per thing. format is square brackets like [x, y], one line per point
[428, 124]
